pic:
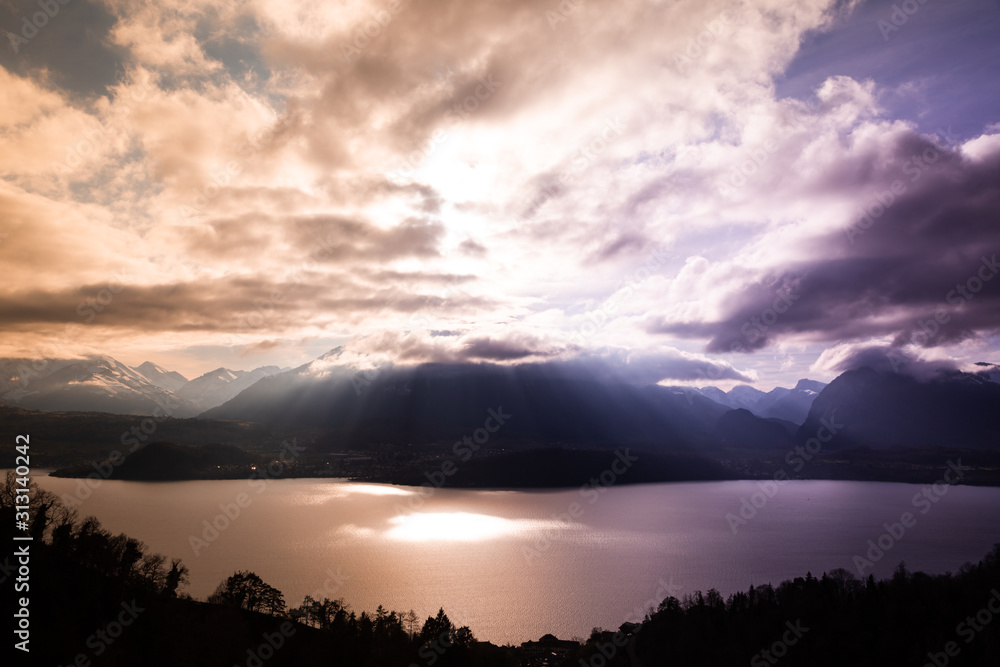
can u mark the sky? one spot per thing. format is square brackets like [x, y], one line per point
[709, 192]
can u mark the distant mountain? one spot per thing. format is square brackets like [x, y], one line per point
[716, 395]
[99, 384]
[988, 371]
[553, 468]
[104, 384]
[161, 461]
[548, 403]
[739, 397]
[745, 396]
[881, 409]
[743, 429]
[17, 374]
[780, 403]
[169, 380]
[790, 404]
[218, 386]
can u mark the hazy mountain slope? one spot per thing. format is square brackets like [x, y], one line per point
[791, 404]
[439, 402]
[17, 374]
[169, 380]
[742, 428]
[102, 384]
[218, 386]
[884, 409]
[780, 403]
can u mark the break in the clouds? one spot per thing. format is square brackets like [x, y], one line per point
[714, 188]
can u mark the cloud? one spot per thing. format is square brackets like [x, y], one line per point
[368, 173]
[874, 267]
[640, 367]
[653, 366]
[883, 359]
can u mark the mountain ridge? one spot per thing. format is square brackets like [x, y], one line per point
[104, 384]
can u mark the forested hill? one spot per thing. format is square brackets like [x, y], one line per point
[104, 599]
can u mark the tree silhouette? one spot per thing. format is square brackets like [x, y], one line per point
[410, 622]
[464, 637]
[437, 627]
[246, 590]
[177, 575]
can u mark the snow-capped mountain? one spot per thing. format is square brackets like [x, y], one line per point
[218, 386]
[104, 384]
[791, 404]
[169, 380]
[741, 396]
[746, 397]
[779, 403]
[17, 374]
[989, 371]
[98, 384]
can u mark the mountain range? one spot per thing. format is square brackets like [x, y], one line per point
[104, 384]
[547, 403]
[780, 403]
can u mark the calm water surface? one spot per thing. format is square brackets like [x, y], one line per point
[513, 565]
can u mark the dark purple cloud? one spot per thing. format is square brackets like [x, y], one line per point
[918, 261]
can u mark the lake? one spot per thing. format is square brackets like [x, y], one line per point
[514, 565]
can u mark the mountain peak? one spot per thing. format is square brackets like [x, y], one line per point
[222, 384]
[883, 409]
[809, 385]
[161, 377]
[334, 353]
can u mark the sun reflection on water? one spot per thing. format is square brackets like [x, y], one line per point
[460, 527]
